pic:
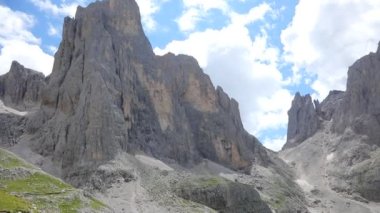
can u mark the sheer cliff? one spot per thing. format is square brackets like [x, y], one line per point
[109, 93]
[140, 131]
[334, 145]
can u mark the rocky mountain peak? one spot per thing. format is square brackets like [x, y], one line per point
[108, 93]
[118, 16]
[21, 87]
[303, 120]
[346, 143]
[360, 108]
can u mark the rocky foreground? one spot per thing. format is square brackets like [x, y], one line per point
[147, 133]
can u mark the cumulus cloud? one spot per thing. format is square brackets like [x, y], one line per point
[274, 144]
[254, 14]
[29, 55]
[148, 8]
[206, 5]
[18, 43]
[326, 37]
[196, 10]
[64, 9]
[14, 26]
[245, 67]
[53, 31]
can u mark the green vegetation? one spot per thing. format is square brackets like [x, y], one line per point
[212, 181]
[25, 188]
[70, 206]
[96, 204]
[278, 202]
[9, 161]
[36, 183]
[11, 203]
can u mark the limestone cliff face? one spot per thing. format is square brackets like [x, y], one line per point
[348, 137]
[21, 87]
[330, 106]
[108, 93]
[360, 108]
[303, 120]
[305, 117]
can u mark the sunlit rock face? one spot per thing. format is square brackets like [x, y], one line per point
[108, 93]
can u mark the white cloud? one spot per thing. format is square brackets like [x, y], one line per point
[254, 14]
[189, 19]
[52, 49]
[64, 9]
[18, 43]
[245, 67]
[53, 31]
[272, 113]
[148, 8]
[29, 55]
[206, 5]
[196, 10]
[275, 144]
[14, 26]
[326, 37]
[68, 8]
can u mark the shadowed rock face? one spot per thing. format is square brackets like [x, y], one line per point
[11, 127]
[330, 105]
[303, 120]
[222, 195]
[349, 134]
[360, 108]
[109, 93]
[21, 88]
[305, 117]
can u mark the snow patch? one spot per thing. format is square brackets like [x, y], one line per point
[306, 186]
[8, 110]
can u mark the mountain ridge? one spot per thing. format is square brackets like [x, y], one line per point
[143, 132]
[340, 137]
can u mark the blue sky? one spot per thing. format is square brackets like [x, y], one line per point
[260, 52]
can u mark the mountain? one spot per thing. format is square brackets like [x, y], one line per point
[107, 97]
[140, 132]
[334, 145]
[147, 133]
[21, 88]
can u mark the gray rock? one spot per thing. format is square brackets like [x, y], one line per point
[303, 120]
[116, 95]
[305, 117]
[222, 195]
[11, 128]
[360, 108]
[350, 128]
[20, 88]
[108, 93]
[330, 105]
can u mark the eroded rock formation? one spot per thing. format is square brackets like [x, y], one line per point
[360, 107]
[303, 120]
[346, 144]
[116, 95]
[21, 88]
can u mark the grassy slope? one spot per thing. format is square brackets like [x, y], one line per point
[25, 188]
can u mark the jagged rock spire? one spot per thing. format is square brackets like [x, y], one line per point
[108, 93]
